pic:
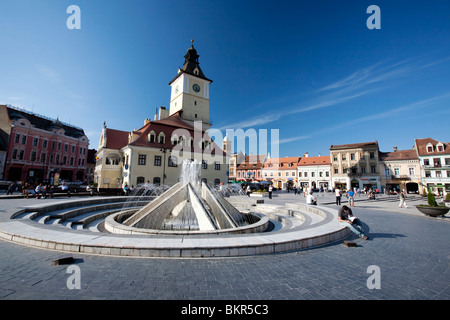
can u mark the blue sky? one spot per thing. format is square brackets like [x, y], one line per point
[311, 69]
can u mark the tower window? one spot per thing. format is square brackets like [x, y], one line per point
[195, 103]
[195, 116]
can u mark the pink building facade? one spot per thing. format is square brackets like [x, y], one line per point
[44, 150]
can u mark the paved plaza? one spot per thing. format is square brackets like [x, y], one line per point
[407, 257]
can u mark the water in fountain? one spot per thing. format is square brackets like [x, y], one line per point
[190, 205]
[143, 194]
[183, 216]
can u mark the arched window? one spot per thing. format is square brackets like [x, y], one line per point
[161, 138]
[156, 180]
[140, 180]
[174, 139]
[216, 182]
[152, 136]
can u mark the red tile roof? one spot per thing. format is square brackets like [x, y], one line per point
[116, 139]
[287, 163]
[399, 155]
[421, 147]
[173, 124]
[308, 161]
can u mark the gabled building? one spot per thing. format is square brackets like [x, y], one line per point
[355, 165]
[314, 172]
[401, 171]
[434, 158]
[154, 153]
[250, 170]
[282, 172]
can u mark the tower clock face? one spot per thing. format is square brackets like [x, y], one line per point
[196, 87]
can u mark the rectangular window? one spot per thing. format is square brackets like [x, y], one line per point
[372, 155]
[204, 164]
[217, 165]
[397, 171]
[35, 142]
[428, 174]
[437, 162]
[42, 157]
[59, 145]
[352, 156]
[173, 161]
[33, 156]
[14, 154]
[142, 159]
[17, 138]
[66, 147]
[373, 169]
[44, 143]
[363, 169]
[411, 171]
[426, 162]
[21, 155]
[157, 161]
[24, 139]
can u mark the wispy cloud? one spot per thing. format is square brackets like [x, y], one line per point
[362, 82]
[253, 122]
[374, 117]
[293, 139]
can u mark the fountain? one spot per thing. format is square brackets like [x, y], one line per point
[189, 205]
[189, 220]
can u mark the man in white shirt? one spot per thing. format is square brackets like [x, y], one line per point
[310, 199]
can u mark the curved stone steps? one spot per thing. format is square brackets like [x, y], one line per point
[306, 231]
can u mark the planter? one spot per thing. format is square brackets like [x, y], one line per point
[433, 211]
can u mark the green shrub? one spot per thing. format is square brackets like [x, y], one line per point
[431, 199]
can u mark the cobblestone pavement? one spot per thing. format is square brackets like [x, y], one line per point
[410, 250]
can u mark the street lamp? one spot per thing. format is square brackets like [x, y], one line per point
[163, 150]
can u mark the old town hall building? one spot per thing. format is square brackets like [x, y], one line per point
[154, 153]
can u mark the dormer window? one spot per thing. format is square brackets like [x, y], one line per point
[161, 138]
[440, 147]
[151, 137]
[429, 148]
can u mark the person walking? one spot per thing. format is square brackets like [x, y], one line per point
[270, 191]
[338, 194]
[351, 198]
[402, 199]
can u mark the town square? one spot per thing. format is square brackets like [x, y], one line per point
[224, 151]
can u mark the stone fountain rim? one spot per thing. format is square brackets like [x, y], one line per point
[111, 225]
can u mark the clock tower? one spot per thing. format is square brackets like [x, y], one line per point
[190, 90]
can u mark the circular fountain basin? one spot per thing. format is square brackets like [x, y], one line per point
[113, 224]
